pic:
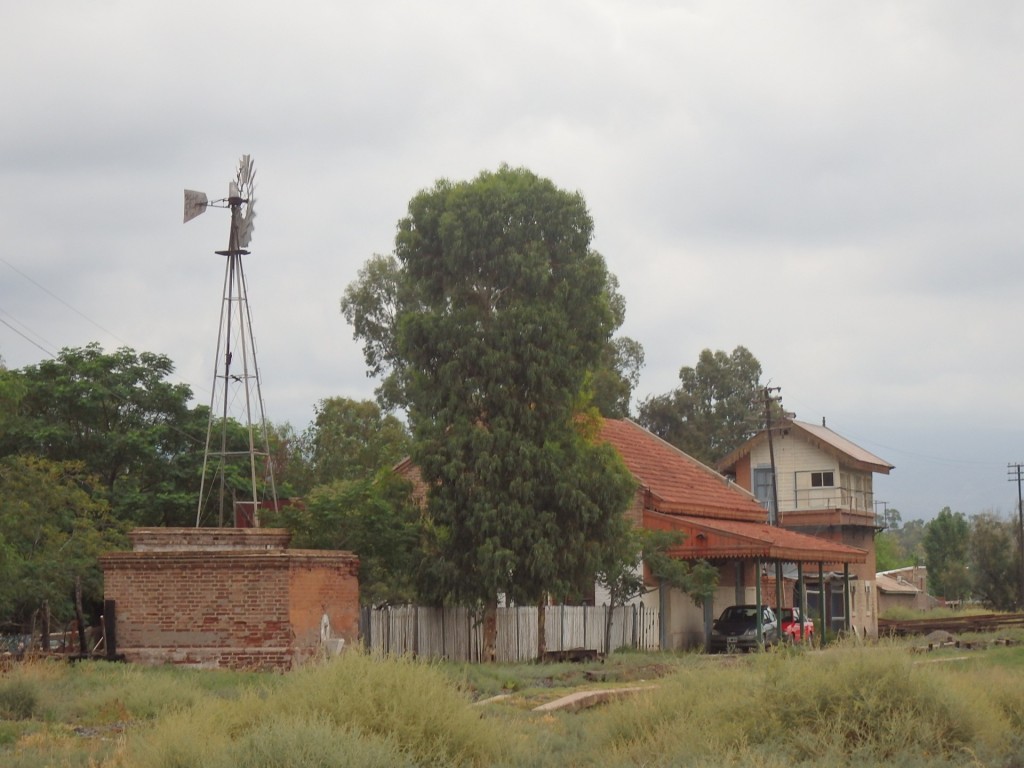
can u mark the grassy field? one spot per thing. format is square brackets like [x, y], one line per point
[845, 706]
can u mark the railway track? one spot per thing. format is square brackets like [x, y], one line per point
[988, 622]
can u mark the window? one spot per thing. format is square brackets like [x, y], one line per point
[763, 489]
[822, 480]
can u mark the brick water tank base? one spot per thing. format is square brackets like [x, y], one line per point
[233, 598]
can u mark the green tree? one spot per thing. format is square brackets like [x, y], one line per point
[117, 414]
[54, 524]
[946, 545]
[621, 570]
[372, 305]
[717, 406]
[352, 440]
[889, 552]
[488, 324]
[12, 390]
[892, 518]
[911, 538]
[289, 460]
[617, 373]
[371, 516]
[993, 553]
[347, 440]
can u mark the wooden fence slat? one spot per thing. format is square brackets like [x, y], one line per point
[456, 633]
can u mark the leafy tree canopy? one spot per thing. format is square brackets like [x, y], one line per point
[387, 289]
[53, 527]
[889, 552]
[371, 516]
[615, 378]
[118, 415]
[486, 324]
[946, 544]
[993, 558]
[352, 440]
[717, 406]
[910, 536]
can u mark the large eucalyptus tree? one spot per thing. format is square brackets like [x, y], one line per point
[487, 324]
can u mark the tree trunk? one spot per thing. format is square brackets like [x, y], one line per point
[83, 644]
[490, 652]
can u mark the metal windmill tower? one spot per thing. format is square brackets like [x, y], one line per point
[236, 462]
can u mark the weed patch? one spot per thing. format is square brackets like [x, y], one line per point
[19, 699]
[845, 706]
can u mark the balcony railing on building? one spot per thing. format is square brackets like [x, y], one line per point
[836, 497]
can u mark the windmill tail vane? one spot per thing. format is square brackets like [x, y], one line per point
[240, 200]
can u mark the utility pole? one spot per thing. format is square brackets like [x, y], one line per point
[774, 518]
[1014, 472]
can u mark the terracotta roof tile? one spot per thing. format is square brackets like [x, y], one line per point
[713, 539]
[678, 483]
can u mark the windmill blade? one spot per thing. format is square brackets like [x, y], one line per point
[247, 225]
[246, 174]
[195, 204]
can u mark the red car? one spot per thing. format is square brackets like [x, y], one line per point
[791, 623]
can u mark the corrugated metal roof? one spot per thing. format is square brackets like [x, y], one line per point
[890, 585]
[817, 434]
[840, 443]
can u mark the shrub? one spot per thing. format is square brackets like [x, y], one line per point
[19, 699]
[853, 706]
[353, 710]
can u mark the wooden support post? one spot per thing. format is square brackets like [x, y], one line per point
[757, 592]
[847, 604]
[802, 591]
[821, 602]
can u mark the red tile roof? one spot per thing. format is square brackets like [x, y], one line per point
[677, 483]
[710, 539]
[719, 519]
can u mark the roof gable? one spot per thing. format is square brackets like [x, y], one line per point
[891, 585]
[821, 437]
[676, 482]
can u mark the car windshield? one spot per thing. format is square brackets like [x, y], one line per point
[786, 614]
[740, 613]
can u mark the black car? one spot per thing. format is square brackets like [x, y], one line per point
[736, 629]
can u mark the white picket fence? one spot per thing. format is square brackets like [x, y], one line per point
[457, 633]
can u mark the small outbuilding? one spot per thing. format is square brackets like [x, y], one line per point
[235, 598]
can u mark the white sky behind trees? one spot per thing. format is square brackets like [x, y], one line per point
[837, 186]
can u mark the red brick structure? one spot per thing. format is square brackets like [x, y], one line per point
[229, 597]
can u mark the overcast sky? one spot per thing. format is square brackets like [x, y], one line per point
[837, 186]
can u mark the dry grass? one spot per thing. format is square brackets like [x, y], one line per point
[849, 706]
[846, 706]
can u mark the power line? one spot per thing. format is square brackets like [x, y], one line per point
[865, 442]
[31, 341]
[55, 297]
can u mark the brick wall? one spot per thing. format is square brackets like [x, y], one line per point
[183, 596]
